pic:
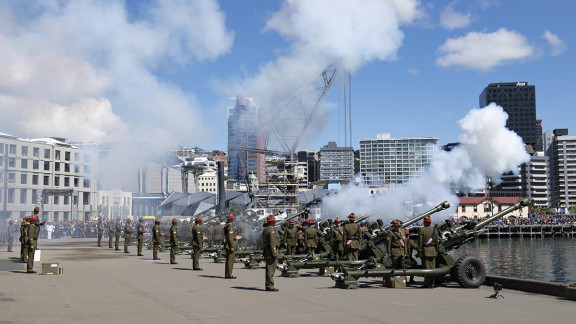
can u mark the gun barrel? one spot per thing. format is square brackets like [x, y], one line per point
[440, 207]
[519, 204]
[358, 220]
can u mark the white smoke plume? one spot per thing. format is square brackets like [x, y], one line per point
[322, 32]
[487, 149]
[92, 70]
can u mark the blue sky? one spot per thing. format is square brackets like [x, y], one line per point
[163, 72]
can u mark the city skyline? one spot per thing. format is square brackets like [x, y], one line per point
[146, 71]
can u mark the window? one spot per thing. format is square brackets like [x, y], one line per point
[86, 183]
[34, 195]
[87, 158]
[56, 166]
[67, 156]
[46, 166]
[34, 179]
[66, 167]
[35, 151]
[24, 150]
[23, 178]
[23, 196]
[76, 157]
[11, 177]
[86, 198]
[35, 164]
[57, 181]
[24, 163]
[86, 169]
[1, 148]
[56, 200]
[46, 180]
[57, 155]
[66, 181]
[12, 149]
[11, 195]
[66, 200]
[11, 162]
[76, 180]
[46, 153]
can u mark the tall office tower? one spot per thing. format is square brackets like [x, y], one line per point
[562, 154]
[536, 179]
[336, 162]
[245, 138]
[311, 159]
[519, 101]
[386, 160]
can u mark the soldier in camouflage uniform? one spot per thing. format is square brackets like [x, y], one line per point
[353, 238]
[173, 241]
[396, 245]
[290, 238]
[197, 243]
[428, 242]
[127, 234]
[117, 234]
[140, 235]
[229, 246]
[111, 231]
[156, 239]
[271, 245]
[100, 231]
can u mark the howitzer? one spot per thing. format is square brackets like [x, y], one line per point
[370, 249]
[468, 271]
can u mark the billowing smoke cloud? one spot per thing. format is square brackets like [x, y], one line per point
[322, 32]
[91, 70]
[487, 149]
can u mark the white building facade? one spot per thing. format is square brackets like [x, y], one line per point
[385, 160]
[56, 176]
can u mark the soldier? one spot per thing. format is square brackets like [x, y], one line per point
[140, 237]
[156, 239]
[173, 241]
[395, 244]
[271, 245]
[31, 243]
[197, 243]
[290, 239]
[217, 233]
[428, 243]
[100, 230]
[11, 231]
[111, 230]
[118, 232]
[353, 238]
[23, 239]
[230, 246]
[300, 242]
[310, 238]
[127, 234]
[337, 241]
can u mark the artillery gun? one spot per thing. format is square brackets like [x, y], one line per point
[468, 271]
[370, 251]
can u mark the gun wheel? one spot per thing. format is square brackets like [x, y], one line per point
[469, 271]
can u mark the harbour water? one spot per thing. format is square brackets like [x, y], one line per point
[550, 259]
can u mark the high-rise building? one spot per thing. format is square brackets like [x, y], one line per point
[518, 99]
[311, 159]
[385, 160]
[536, 179]
[336, 162]
[245, 138]
[562, 154]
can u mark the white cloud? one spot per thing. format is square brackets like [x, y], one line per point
[484, 51]
[97, 67]
[413, 71]
[557, 46]
[452, 19]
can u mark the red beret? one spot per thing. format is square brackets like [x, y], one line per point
[337, 220]
[309, 222]
[270, 219]
[397, 223]
[157, 221]
[291, 222]
[352, 216]
[406, 232]
[299, 226]
[230, 216]
[197, 219]
[427, 219]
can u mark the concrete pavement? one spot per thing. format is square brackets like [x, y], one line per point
[99, 284]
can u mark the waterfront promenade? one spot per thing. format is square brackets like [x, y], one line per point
[101, 285]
